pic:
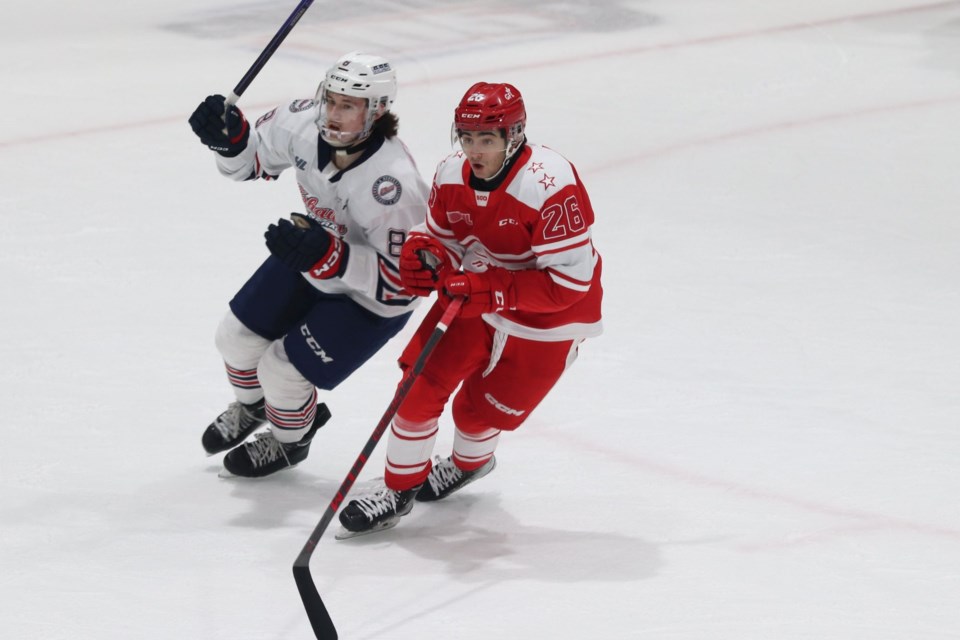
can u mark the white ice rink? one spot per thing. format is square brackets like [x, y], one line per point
[764, 445]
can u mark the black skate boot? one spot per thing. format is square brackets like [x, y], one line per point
[233, 426]
[266, 455]
[446, 478]
[376, 511]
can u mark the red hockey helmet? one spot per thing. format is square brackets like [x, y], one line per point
[488, 106]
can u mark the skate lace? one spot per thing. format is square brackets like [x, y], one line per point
[228, 422]
[378, 503]
[265, 449]
[443, 474]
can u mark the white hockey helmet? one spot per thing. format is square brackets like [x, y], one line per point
[360, 75]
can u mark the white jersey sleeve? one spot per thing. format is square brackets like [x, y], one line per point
[269, 150]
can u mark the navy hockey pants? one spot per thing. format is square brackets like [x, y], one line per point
[327, 337]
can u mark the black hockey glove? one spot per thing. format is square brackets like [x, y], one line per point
[207, 123]
[307, 246]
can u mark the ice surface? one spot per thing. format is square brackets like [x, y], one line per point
[765, 443]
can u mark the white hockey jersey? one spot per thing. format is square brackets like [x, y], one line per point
[371, 205]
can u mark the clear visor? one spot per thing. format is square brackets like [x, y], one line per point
[341, 122]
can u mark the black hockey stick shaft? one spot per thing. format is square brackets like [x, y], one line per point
[268, 52]
[320, 620]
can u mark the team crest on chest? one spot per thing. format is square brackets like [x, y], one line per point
[387, 190]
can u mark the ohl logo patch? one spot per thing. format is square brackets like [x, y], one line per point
[387, 190]
[453, 217]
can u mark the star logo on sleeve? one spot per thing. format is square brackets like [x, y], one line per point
[535, 166]
[546, 181]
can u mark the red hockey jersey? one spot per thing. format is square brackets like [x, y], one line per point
[537, 224]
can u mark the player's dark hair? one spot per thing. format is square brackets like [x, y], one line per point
[388, 124]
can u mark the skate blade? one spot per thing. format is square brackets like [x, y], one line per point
[346, 534]
[465, 484]
[226, 475]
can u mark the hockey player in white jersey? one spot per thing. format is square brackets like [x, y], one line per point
[329, 295]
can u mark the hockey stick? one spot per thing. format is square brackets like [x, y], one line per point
[266, 54]
[319, 618]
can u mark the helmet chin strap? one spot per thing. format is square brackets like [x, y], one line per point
[506, 160]
[359, 146]
[350, 148]
[499, 171]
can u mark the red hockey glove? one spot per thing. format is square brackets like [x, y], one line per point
[486, 292]
[423, 263]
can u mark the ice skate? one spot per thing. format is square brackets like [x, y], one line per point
[376, 511]
[266, 455]
[446, 478]
[233, 426]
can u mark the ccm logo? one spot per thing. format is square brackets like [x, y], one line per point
[502, 407]
[314, 345]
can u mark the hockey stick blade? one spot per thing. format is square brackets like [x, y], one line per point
[320, 620]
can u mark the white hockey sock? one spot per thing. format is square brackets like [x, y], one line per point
[473, 450]
[410, 446]
[241, 350]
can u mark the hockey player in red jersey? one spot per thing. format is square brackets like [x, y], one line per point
[509, 228]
